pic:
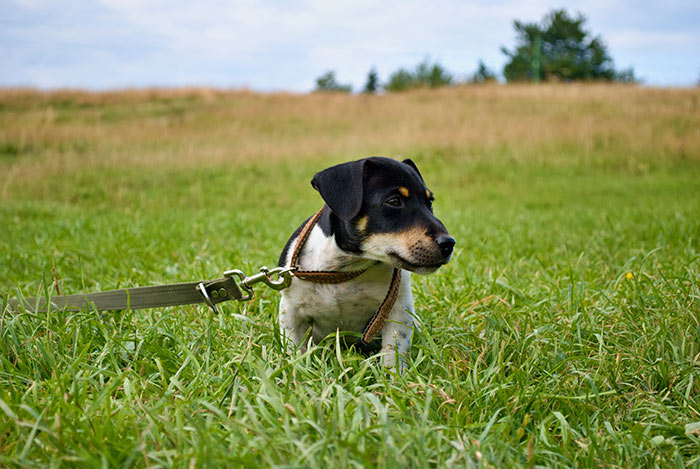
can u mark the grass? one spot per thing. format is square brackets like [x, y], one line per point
[565, 332]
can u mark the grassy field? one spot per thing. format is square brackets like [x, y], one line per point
[565, 332]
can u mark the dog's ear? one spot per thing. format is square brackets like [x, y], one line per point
[410, 163]
[341, 188]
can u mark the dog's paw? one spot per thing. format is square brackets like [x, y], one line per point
[391, 359]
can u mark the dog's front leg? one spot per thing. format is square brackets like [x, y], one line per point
[293, 325]
[397, 331]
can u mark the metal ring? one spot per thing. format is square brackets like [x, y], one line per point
[284, 277]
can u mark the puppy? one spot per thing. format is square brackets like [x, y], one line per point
[354, 257]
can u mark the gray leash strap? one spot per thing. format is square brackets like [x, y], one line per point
[211, 292]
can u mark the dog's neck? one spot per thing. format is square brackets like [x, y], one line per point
[333, 246]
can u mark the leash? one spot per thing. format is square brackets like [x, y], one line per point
[212, 292]
[209, 292]
[378, 319]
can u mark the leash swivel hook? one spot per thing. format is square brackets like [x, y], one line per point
[278, 278]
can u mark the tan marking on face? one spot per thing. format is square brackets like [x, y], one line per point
[412, 236]
[404, 192]
[361, 223]
[406, 238]
[428, 194]
[411, 244]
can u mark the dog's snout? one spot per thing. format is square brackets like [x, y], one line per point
[445, 243]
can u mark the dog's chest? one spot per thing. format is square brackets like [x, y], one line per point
[346, 306]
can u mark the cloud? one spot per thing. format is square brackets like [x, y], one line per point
[278, 45]
[661, 40]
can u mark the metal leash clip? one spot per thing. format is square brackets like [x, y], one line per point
[207, 300]
[267, 276]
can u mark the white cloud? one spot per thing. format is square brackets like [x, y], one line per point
[275, 45]
[660, 40]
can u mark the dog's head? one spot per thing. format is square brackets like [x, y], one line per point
[383, 211]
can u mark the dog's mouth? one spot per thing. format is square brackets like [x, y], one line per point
[417, 268]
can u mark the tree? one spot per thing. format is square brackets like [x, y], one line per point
[560, 49]
[372, 83]
[432, 75]
[328, 82]
[425, 75]
[400, 80]
[483, 74]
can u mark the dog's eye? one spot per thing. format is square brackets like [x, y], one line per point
[394, 202]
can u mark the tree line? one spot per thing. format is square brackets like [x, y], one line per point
[559, 48]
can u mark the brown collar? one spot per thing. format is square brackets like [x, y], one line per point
[376, 323]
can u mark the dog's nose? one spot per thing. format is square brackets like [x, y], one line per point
[445, 243]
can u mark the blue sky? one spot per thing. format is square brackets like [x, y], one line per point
[285, 45]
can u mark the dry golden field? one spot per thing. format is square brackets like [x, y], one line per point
[183, 127]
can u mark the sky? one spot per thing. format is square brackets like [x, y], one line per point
[285, 45]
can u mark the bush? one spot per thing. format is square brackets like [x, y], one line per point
[425, 75]
[483, 74]
[328, 83]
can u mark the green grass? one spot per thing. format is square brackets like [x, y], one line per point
[565, 332]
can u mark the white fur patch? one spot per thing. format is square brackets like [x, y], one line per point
[346, 306]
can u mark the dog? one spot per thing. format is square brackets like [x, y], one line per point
[375, 228]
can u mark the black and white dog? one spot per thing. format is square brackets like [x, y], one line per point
[378, 219]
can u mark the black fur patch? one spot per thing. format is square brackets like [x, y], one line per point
[364, 188]
[341, 188]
